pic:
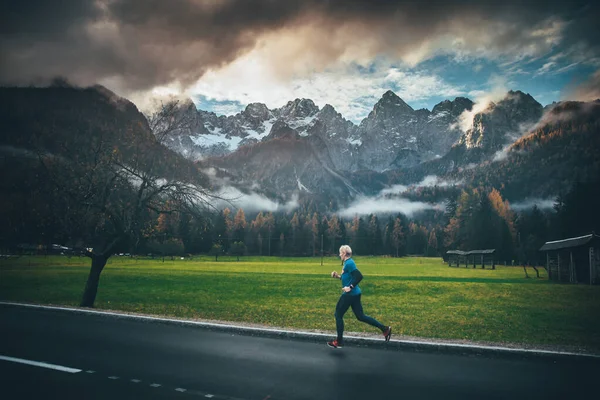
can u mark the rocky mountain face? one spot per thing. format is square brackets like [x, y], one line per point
[443, 118]
[393, 135]
[502, 123]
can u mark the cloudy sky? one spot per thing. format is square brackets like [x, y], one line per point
[228, 53]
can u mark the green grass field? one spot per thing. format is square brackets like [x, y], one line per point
[420, 297]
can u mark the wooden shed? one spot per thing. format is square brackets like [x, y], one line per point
[574, 260]
[473, 257]
[456, 257]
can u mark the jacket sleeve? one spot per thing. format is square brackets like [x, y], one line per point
[356, 277]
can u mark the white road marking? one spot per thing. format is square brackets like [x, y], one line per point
[155, 385]
[180, 390]
[89, 371]
[209, 395]
[41, 364]
[113, 377]
[135, 380]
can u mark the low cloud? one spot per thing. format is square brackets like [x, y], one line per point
[468, 166]
[249, 201]
[390, 200]
[394, 190]
[586, 91]
[560, 113]
[433, 180]
[18, 152]
[428, 181]
[511, 138]
[501, 155]
[254, 202]
[374, 205]
[482, 103]
[529, 203]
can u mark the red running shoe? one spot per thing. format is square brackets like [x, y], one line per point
[387, 334]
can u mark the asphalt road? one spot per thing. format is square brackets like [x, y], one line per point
[120, 358]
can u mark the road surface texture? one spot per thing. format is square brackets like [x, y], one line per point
[46, 353]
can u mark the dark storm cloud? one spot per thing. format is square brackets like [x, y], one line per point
[40, 19]
[139, 44]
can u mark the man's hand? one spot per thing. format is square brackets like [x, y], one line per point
[334, 274]
[346, 289]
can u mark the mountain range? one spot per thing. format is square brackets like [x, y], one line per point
[303, 149]
[393, 135]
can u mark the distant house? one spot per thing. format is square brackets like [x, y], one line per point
[574, 260]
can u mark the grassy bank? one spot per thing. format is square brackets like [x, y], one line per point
[418, 296]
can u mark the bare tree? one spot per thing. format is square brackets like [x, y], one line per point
[114, 183]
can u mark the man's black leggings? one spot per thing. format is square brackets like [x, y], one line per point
[346, 301]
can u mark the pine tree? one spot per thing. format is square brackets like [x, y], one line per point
[269, 226]
[219, 231]
[398, 236]
[281, 244]
[239, 226]
[362, 235]
[229, 226]
[333, 231]
[295, 223]
[375, 235]
[314, 229]
[504, 226]
[432, 244]
[257, 227]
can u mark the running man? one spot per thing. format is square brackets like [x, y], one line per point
[350, 297]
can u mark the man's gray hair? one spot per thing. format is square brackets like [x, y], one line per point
[346, 250]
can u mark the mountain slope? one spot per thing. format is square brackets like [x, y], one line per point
[283, 166]
[560, 150]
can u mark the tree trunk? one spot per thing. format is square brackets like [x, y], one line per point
[91, 287]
